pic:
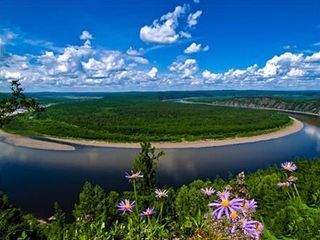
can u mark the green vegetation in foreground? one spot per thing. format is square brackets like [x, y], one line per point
[135, 117]
[287, 213]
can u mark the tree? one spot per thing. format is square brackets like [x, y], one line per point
[146, 162]
[17, 100]
[91, 205]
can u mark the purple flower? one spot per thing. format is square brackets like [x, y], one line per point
[133, 175]
[161, 193]
[232, 229]
[252, 228]
[147, 213]
[289, 166]
[234, 216]
[126, 206]
[249, 205]
[224, 206]
[292, 179]
[208, 191]
[284, 184]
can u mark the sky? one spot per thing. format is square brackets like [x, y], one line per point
[126, 45]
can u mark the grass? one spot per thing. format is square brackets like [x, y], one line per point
[135, 117]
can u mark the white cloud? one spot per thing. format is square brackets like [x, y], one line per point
[87, 67]
[153, 72]
[210, 76]
[134, 52]
[194, 48]
[185, 69]
[314, 57]
[6, 37]
[316, 44]
[163, 31]
[193, 18]
[86, 36]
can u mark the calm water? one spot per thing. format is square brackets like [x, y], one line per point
[34, 179]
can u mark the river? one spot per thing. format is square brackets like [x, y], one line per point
[35, 179]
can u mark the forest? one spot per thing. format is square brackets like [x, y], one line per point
[280, 202]
[136, 117]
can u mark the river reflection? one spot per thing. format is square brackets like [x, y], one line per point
[34, 179]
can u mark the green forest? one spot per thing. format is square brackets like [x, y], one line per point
[280, 202]
[136, 117]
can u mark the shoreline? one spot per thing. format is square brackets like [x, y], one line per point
[64, 144]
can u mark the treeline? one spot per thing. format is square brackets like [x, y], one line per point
[297, 104]
[286, 210]
[143, 117]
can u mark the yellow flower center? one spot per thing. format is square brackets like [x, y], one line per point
[127, 206]
[233, 215]
[259, 228]
[245, 205]
[225, 203]
[291, 178]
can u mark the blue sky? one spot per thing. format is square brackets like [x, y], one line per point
[160, 44]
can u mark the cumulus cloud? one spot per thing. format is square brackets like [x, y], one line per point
[287, 70]
[86, 36]
[193, 18]
[185, 69]
[163, 30]
[77, 67]
[87, 67]
[153, 72]
[194, 48]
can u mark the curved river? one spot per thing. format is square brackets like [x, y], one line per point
[34, 179]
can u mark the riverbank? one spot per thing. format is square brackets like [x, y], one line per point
[23, 141]
[48, 143]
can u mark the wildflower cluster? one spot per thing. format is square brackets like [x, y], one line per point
[238, 213]
[289, 168]
[289, 180]
[127, 206]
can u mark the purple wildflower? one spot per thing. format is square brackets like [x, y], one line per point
[149, 212]
[289, 166]
[234, 216]
[252, 228]
[292, 179]
[208, 191]
[249, 205]
[161, 193]
[284, 184]
[225, 206]
[126, 206]
[232, 229]
[133, 175]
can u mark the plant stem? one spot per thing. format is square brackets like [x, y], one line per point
[159, 220]
[136, 197]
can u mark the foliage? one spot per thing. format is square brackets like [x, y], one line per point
[146, 162]
[184, 214]
[144, 117]
[17, 100]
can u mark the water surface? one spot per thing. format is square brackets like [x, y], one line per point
[34, 179]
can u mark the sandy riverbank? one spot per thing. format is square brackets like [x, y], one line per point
[22, 141]
[18, 140]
